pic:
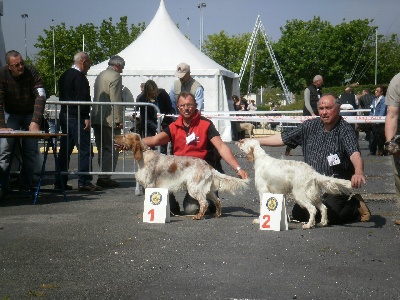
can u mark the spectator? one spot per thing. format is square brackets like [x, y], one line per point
[186, 83]
[244, 103]
[141, 91]
[107, 120]
[160, 98]
[75, 122]
[365, 103]
[329, 136]
[378, 108]
[22, 102]
[203, 141]
[312, 94]
[392, 128]
[252, 106]
[234, 124]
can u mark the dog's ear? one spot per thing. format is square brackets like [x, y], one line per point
[250, 155]
[137, 147]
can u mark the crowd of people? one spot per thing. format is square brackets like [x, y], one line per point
[323, 140]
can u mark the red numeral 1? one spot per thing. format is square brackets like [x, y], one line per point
[265, 224]
[151, 213]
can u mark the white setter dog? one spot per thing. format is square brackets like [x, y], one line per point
[177, 173]
[298, 178]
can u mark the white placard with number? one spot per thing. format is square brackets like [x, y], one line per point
[156, 206]
[273, 214]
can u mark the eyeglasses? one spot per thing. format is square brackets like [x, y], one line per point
[17, 65]
[182, 106]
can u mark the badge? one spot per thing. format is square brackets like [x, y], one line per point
[333, 160]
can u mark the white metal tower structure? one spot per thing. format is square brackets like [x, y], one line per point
[259, 28]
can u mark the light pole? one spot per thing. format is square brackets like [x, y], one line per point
[200, 6]
[25, 16]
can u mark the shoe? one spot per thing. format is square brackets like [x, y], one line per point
[397, 222]
[67, 187]
[365, 213]
[379, 153]
[107, 183]
[90, 187]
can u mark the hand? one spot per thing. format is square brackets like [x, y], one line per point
[243, 174]
[356, 181]
[34, 126]
[87, 125]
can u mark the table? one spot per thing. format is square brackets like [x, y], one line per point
[48, 138]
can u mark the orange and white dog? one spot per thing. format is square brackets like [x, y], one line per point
[180, 173]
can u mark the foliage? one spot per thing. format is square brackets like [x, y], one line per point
[99, 42]
[342, 54]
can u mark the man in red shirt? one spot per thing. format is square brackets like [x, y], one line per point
[194, 135]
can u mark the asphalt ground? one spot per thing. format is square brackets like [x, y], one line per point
[95, 246]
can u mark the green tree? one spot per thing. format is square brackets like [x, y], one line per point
[99, 42]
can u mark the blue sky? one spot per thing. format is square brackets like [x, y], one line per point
[232, 16]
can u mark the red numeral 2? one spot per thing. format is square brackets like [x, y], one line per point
[265, 224]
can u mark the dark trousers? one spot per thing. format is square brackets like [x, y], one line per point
[340, 210]
[377, 141]
[76, 136]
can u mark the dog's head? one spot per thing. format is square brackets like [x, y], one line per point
[247, 146]
[131, 141]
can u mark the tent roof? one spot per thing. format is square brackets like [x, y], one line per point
[160, 48]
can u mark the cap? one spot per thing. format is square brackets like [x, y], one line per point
[182, 69]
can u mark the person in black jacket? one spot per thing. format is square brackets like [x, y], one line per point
[75, 122]
[148, 114]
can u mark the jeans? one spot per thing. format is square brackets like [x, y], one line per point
[76, 136]
[29, 150]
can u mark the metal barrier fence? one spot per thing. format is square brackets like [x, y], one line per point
[130, 111]
[127, 166]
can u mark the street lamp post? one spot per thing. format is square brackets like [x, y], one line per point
[200, 6]
[25, 16]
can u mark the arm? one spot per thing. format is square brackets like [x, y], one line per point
[159, 139]
[272, 140]
[228, 156]
[391, 122]
[199, 96]
[172, 97]
[307, 101]
[116, 96]
[40, 100]
[358, 164]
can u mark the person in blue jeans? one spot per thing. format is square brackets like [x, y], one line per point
[22, 101]
[75, 122]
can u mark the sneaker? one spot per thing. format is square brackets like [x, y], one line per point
[365, 213]
[90, 187]
[397, 222]
[67, 187]
[107, 183]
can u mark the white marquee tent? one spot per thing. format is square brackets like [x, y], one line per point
[155, 55]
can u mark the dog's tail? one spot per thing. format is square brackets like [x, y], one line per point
[333, 185]
[226, 183]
